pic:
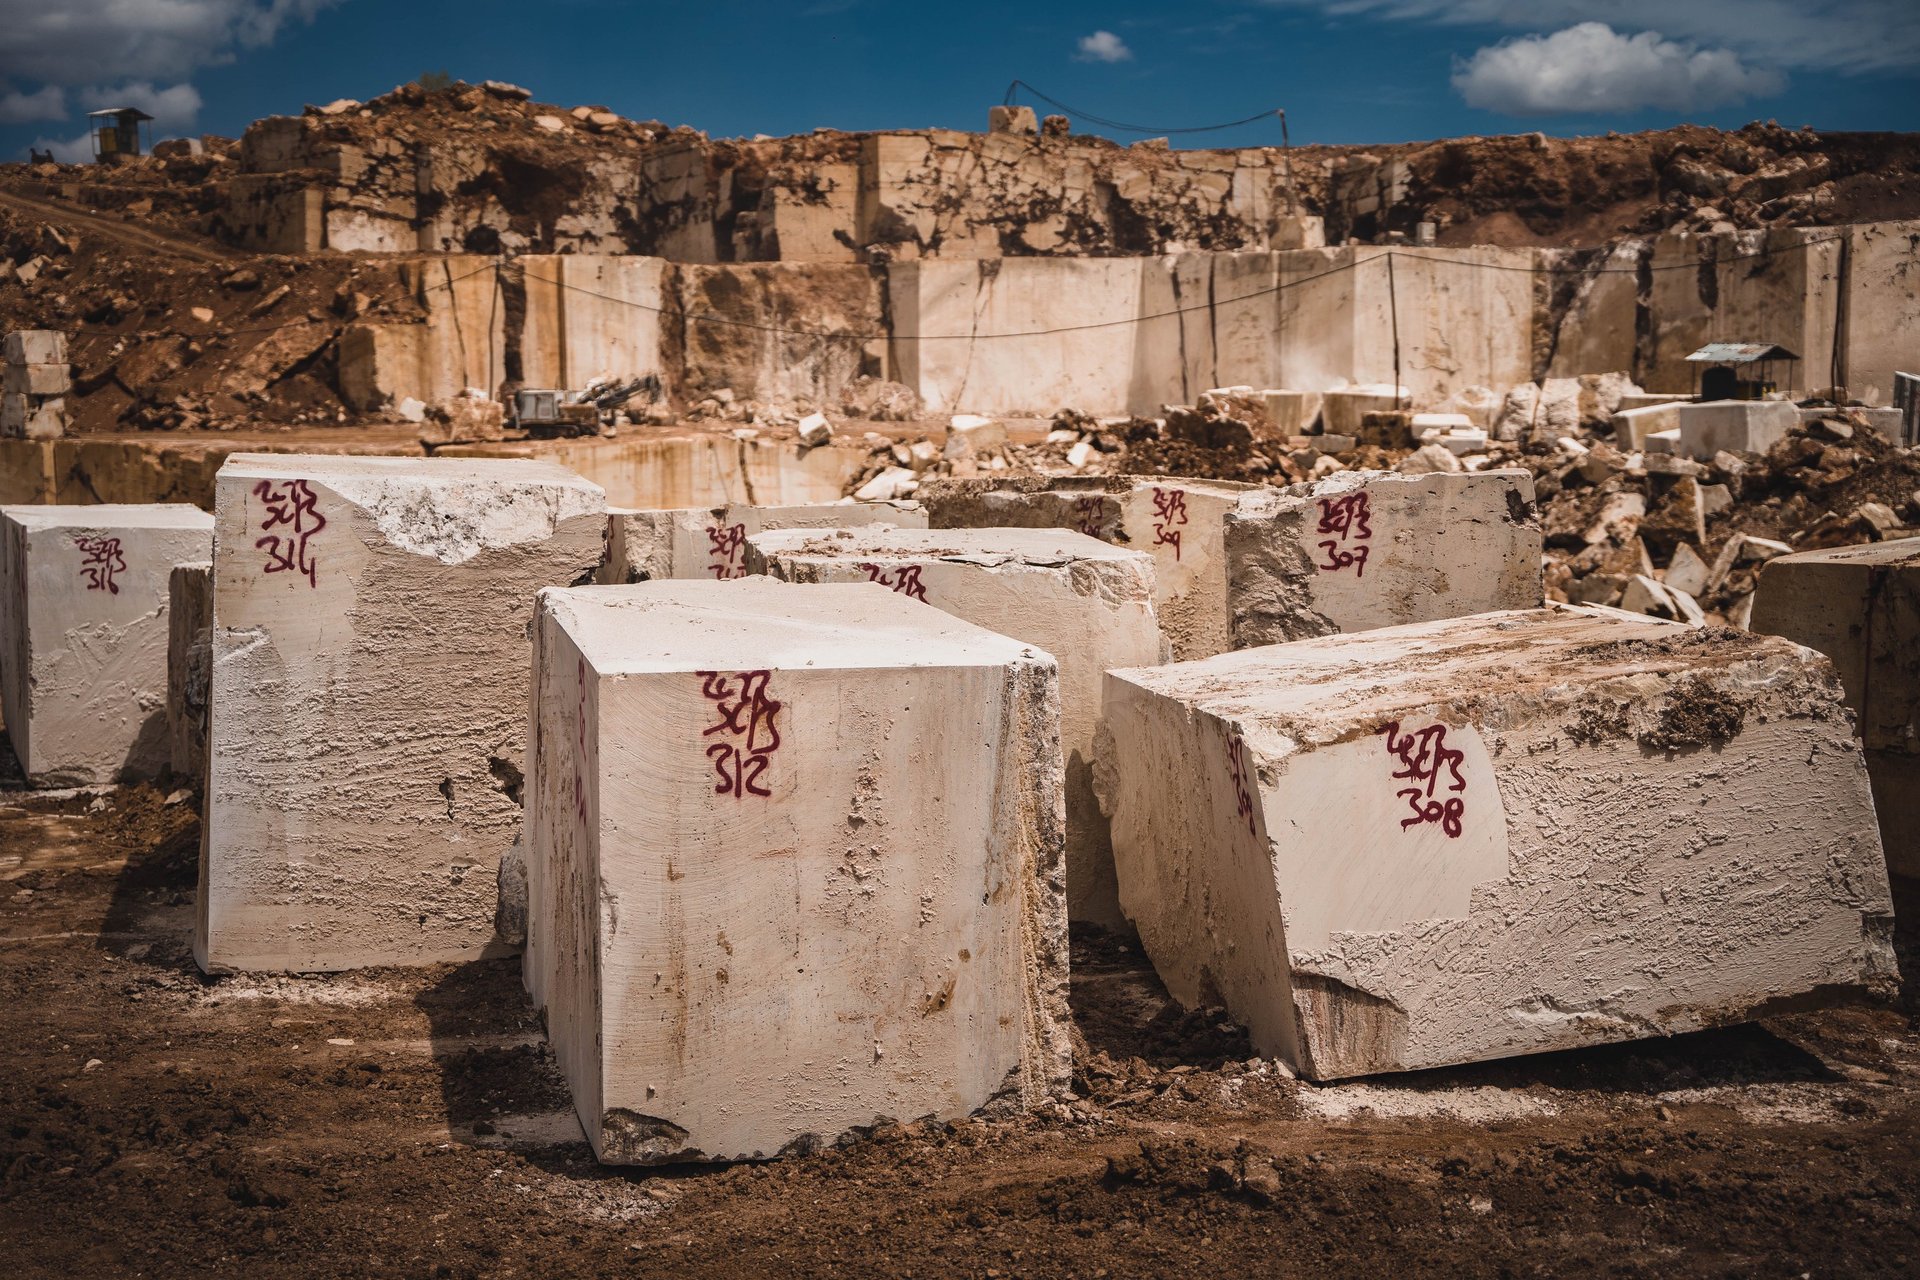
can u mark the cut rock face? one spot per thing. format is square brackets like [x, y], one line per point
[368, 700]
[1365, 549]
[1088, 604]
[189, 668]
[83, 636]
[1497, 835]
[1177, 520]
[1861, 607]
[794, 865]
[710, 542]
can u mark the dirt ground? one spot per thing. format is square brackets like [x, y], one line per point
[411, 1123]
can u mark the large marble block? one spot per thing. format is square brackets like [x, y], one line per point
[369, 700]
[1861, 607]
[1365, 549]
[1496, 835]
[1085, 602]
[83, 635]
[1179, 521]
[710, 542]
[794, 865]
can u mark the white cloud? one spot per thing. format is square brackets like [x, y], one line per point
[174, 107]
[1102, 46]
[78, 42]
[67, 150]
[1593, 68]
[1830, 35]
[49, 102]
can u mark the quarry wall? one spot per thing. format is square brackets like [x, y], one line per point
[1128, 335]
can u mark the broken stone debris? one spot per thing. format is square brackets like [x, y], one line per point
[83, 635]
[1088, 604]
[711, 542]
[753, 927]
[189, 667]
[1733, 426]
[373, 611]
[1180, 521]
[1366, 549]
[1861, 607]
[1380, 850]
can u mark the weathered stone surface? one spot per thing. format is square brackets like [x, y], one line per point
[1861, 607]
[1088, 604]
[1737, 426]
[83, 635]
[189, 667]
[1180, 521]
[1364, 549]
[753, 925]
[711, 542]
[369, 645]
[1497, 835]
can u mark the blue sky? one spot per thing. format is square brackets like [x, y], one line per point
[1345, 70]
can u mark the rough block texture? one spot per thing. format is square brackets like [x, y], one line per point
[1088, 604]
[794, 865]
[189, 667]
[1366, 549]
[1497, 835]
[1861, 607]
[711, 542]
[1180, 521]
[369, 718]
[83, 636]
[1736, 426]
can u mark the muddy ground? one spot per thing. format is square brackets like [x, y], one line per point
[411, 1123]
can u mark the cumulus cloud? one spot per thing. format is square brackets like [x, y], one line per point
[1593, 68]
[49, 102]
[1829, 35]
[1102, 46]
[78, 42]
[174, 107]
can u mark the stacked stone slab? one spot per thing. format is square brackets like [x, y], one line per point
[189, 667]
[83, 636]
[36, 381]
[368, 700]
[1861, 607]
[1496, 835]
[1364, 549]
[1179, 521]
[1088, 604]
[794, 865]
[710, 542]
[1733, 426]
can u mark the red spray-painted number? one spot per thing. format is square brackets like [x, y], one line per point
[1169, 514]
[1237, 769]
[904, 580]
[290, 507]
[749, 734]
[1424, 757]
[726, 545]
[102, 559]
[1348, 520]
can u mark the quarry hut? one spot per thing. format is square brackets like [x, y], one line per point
[1738, 370]
[116, 132]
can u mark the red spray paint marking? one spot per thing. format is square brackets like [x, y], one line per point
[1237, 767]
[905, 580]
[725, 547]
[1089, 516]
[746, 720]
[103, 560]
[1346, 519]
[1169, 513]
[291, 506]
[1423, 757]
